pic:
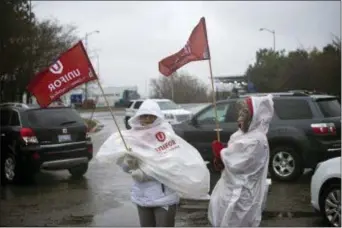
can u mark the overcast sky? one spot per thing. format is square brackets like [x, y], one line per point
[134, 36]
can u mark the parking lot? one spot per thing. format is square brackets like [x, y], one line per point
[102, 198]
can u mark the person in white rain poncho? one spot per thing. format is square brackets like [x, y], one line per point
[162, 165]
[238, 196]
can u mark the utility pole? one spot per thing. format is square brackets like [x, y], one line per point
[86, 48]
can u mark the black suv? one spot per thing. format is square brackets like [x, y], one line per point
[34, 138]
[305, 130]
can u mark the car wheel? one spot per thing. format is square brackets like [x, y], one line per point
[285, 164]
[331, 205]
[126, 123]
[78, 171]
[9, 171]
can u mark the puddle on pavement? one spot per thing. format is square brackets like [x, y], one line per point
[296, 214]
[42, 186]
[265, 215]
[125, 216]
[74, 220]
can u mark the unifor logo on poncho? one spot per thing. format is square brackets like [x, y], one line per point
[167, 146]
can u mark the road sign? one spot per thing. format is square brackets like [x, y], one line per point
[76, 98]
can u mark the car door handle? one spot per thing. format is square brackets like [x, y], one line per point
[218, 129]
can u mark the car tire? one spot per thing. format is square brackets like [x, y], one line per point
[331, 194]
[78, 171]
[10, 172]
[285, 164]
[126, 123]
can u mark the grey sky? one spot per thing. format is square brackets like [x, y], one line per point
[134, 36]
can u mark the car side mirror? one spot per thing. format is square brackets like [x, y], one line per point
[194, 121]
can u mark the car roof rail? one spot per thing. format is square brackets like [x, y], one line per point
[14, 104]
[297, 93]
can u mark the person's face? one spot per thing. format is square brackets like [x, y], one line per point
[244, 116]
[147, 119]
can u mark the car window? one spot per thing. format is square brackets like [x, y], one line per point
[167, 105]
[208, 116]
[137, 104]
[130, 104]
[330, 107]
[5, 117]
[53, 117]
[14, 119]
[292, 109]
[232, 113]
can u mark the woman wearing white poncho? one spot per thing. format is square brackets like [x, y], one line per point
[162, 165]
[237, 198]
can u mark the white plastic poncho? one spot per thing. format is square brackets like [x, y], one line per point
[162, 154]
[237, 198]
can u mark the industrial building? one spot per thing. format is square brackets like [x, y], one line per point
[112, 93]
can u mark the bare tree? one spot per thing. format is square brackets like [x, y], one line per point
[186, 88]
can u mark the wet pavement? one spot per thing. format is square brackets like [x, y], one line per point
[102, 198]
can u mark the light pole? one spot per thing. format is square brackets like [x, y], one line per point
[86, 47]
[271, 31]
[97, 57]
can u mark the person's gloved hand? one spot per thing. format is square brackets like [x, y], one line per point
[218, 164]
[216, 148]
[139, 175]
[131, 162]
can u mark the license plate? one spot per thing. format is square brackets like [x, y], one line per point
[64, 138]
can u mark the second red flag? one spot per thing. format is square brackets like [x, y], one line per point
[196, 49]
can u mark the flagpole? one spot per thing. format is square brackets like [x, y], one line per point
[172, 86]
[111, 112]
[214, 101]
[92, 113]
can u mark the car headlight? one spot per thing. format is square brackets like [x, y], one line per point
[169, 116]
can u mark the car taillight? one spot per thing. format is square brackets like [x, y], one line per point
[324, 128]
[28, 136]
[90, 149]
[35, 156]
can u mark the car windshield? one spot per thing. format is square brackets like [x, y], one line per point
[167, 105]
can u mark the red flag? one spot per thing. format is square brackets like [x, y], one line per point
[196, 49]
[71, 69]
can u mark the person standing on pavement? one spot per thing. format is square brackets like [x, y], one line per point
[238, 196]
[156, 202]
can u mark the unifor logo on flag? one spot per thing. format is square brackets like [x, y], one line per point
[56, 68]
[70, 70]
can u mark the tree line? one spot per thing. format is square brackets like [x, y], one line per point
[27, 46]
[315, 70]
[273, 71]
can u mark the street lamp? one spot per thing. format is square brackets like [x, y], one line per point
[271, 31]
[86, 47]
